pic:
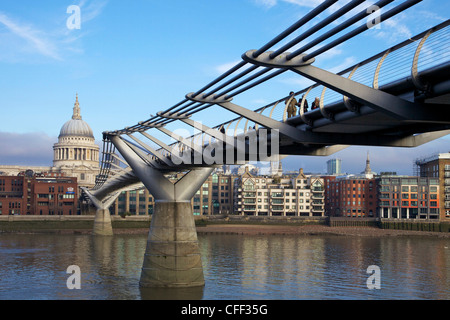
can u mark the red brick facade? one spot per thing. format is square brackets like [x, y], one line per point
[350, 197]
[30, 195]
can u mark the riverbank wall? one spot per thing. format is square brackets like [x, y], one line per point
[414, 225]
[40, 223]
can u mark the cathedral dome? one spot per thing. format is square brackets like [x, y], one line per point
[76, 154]
[76, 126]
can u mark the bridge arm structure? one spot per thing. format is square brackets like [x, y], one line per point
[407, 112]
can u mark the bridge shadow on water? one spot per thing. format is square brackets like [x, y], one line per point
[193, 293]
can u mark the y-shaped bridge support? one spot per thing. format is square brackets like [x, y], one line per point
[172, 258]
[102, 221]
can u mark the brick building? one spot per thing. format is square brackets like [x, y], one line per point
[28, 194]
[75, 155]
[350, 196]
[438, 166]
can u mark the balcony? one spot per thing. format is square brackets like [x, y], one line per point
[316, 210]
[249, 194]
[277, 195]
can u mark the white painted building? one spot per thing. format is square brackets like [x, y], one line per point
[297, 195]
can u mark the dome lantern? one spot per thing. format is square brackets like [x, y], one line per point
[76, 127]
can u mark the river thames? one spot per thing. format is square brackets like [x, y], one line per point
[236, 267]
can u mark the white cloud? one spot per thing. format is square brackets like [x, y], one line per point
[392, 30]
[266, 3]
[33, 37]
[348, 62]
[226, 66]
[302, 3]
[298, 82]
[91, 9]
[33, 148]
[260, 101]
[23, 39]
[431, 16]
[331, 53]
[305, 3]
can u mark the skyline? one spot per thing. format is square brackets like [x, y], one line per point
[124, 63]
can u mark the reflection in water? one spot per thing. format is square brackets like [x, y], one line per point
[235, 267]
[195, 293]
[324, 267]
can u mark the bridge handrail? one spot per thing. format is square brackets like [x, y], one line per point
[192, 107]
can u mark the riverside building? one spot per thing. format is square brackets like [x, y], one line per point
[30, 194]
[351, 196]
[438, 166]
[297, 195]
[408, 197]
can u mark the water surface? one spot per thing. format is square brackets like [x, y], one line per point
[238, 267]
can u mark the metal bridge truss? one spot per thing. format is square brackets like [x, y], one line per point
[398, 98]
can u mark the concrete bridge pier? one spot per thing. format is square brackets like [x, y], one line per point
[102, 220]
[102, 223]
[172, 257]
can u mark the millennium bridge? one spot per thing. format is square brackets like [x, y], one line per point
[397, 98]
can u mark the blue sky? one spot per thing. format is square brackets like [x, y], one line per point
[130, 59]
